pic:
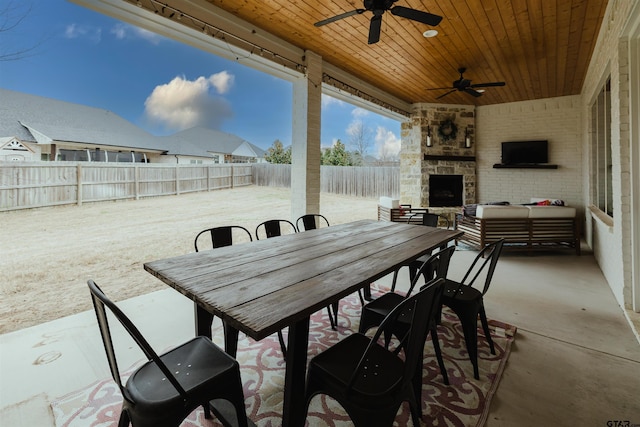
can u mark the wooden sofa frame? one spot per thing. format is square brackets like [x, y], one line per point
[527, 234]
[402, 214]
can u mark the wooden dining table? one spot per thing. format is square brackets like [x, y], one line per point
[261, 287]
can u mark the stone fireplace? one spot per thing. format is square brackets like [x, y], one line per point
[437, 167]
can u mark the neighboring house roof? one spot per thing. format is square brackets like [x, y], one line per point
[203, 142]
[45, 121]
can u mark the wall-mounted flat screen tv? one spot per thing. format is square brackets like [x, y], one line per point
[524, 152]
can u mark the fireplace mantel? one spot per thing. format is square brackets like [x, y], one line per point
[450, 158]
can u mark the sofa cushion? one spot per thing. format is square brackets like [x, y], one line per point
[388, 202]
[551, 211]
[494, 211]
[546, 201]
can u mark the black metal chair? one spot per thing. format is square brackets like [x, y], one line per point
[467, 302]
[373, 313]
[369, 380]
[223, 236]
[430, 220]
[168, 387]
[274, 228]
[311, 222]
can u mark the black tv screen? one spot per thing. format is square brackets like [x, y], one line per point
[524, 152]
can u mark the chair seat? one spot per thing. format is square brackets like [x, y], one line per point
[375, 311]
[384, 304]
[464, 293]
[194, 364]
[336, 365]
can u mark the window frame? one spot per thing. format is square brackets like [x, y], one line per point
[602, 165]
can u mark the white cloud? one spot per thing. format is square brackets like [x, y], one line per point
[120, 31]
[327, 101]
[124, 31]
[75, 31]
[387, 143]
[359, 112]
[182, 104]
[222, 81]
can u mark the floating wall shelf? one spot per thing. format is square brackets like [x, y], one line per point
[450, 158]
[525, 166]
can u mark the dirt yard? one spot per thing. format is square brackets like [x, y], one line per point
[48, 254]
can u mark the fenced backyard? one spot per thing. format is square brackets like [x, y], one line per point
[33, 185]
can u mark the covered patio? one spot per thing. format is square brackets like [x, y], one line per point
[576, 359]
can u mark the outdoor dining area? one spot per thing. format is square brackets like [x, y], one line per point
[278, 281]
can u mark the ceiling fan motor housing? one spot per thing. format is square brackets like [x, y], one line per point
[461, 84]
[378, 4]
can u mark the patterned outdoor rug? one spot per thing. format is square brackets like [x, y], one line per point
[463, 403]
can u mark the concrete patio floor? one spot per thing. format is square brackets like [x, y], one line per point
[575, 360]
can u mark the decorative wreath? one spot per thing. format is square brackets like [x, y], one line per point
[448, 130]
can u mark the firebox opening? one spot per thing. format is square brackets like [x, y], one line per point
[445, 190]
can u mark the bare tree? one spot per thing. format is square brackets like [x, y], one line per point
[360, 138]
[12, 15]
[387, 155]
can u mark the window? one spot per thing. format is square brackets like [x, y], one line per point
[602, 195]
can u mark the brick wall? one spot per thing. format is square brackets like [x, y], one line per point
[612, 243]
[556, 120]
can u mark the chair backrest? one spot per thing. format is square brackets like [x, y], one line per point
[274, 227]
[437, 266]
[101, 303]
[489, 254]
[310, 222]
[417, 310]
[430, 219]
[221, 236]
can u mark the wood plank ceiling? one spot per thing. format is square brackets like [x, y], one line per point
[539, 48]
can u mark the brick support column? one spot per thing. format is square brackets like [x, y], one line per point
[305, 150]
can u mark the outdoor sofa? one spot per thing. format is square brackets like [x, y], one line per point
[533, 227]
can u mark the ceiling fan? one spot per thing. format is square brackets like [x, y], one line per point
[379, 7]
[464, 85]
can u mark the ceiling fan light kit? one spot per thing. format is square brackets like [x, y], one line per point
[378, 8]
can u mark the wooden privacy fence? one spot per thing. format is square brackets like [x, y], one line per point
[35, 185]
[367, 181]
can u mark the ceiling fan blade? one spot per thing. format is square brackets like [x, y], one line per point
[473, 92]
[338, 17]
[416, 15]
[493, 84]
[374, 29]
[445, 94]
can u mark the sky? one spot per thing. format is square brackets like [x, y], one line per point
[77, 55]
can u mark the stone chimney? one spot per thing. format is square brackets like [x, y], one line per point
[438, 140]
